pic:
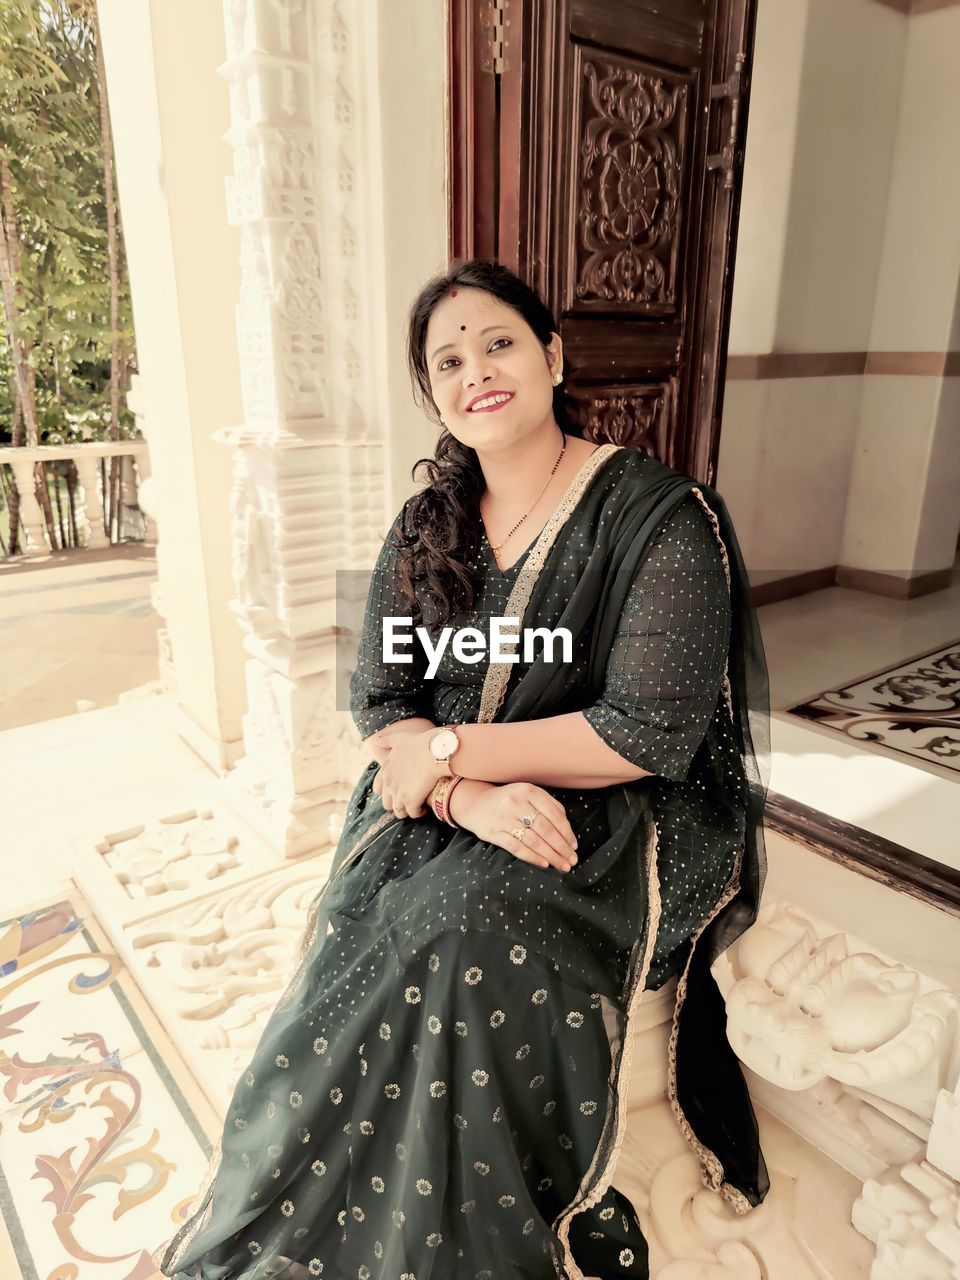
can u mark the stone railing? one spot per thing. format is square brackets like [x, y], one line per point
[86, 457]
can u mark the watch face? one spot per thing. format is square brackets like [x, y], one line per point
[444, 743]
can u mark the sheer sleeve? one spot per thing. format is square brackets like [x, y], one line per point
[383, 692]
[664, 674]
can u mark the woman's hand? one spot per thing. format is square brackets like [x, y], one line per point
[409, 773]
[496, 811]
[378, 745]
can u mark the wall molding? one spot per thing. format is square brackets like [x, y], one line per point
[894, 865]
[892, 585]
[842, 364]
[916, 8]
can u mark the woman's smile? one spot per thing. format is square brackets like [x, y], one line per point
[494, 402]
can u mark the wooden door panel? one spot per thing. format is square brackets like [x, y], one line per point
[618, 174]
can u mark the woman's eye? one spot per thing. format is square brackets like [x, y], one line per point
[492, 346]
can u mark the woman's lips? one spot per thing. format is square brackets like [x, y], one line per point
[491, 408]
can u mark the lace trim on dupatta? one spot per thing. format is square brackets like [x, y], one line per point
[498, 673]
[712, 1168]
[188, 1231]
[711, 1173]
[600, 1174]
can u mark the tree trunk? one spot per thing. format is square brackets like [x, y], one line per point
[23, 373]
[42, 491]
[72, 482]
[12, 499]
[106, 152]
[56, 495]
[13, 494]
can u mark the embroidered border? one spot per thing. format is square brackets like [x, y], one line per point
[181, 1238]
[712, 1168]
[498, 673]
[620, 1075]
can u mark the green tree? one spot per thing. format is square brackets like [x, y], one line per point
[66, 308]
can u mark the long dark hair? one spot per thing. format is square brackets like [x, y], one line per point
[443, 527]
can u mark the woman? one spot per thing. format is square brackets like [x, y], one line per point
[441, 1091]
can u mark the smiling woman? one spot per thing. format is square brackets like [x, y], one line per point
[442, 1090]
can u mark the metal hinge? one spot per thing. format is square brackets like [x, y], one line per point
[731, 88]
[498, 38]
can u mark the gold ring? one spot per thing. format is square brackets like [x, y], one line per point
[519, 832]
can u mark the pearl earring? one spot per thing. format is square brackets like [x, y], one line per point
[558, 378]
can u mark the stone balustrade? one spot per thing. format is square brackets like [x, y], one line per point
[86, 457]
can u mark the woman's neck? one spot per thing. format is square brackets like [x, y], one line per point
[513, 479]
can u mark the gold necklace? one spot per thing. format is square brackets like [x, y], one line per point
[496, 548]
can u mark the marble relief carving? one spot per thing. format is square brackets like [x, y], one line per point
[861, 1055]
[632, 136]
[218, 966]
[810, 1003]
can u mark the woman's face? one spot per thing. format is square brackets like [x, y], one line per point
[476, 345]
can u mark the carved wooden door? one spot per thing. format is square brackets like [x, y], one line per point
[596, 148]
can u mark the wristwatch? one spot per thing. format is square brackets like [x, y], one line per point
[443, 744]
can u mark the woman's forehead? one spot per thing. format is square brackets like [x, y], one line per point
[468, 310]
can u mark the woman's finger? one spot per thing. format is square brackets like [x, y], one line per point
[555, 838]
[556, 815]
[537, 845]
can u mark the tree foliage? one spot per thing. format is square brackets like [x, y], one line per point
[55, 222]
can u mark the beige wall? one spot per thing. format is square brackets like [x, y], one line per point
[848, 242]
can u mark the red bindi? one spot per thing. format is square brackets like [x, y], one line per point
[453, 294]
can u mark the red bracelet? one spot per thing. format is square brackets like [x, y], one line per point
[446, 799]
[440, 799]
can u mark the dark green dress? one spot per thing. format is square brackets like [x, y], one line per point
[440, 1092]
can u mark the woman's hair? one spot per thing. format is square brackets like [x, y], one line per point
[443, 529]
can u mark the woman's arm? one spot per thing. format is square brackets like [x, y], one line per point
[557, 751]
[663, 678]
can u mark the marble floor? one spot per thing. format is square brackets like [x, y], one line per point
[77, 629]
[70, 778]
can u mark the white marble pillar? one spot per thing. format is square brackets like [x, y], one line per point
[169, 112]
[313, 156]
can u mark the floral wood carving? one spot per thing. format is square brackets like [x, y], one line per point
[628, 199]
[631, 416]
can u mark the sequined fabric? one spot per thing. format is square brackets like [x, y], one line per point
[439, 1095]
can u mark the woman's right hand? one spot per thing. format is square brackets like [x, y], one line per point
[493, 812]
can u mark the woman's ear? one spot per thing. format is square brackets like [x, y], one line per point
[555, 349]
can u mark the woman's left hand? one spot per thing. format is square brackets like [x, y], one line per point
[409, 773]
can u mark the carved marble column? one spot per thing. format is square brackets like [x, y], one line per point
[308, 492]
